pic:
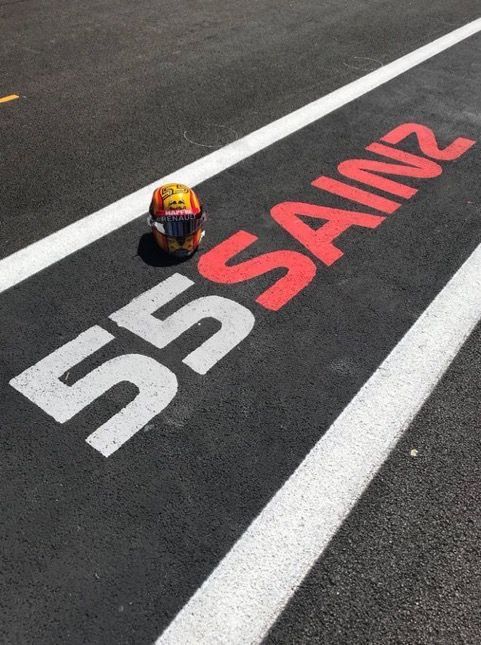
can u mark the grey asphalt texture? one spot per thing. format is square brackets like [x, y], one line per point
[404, 568]
[113, 94]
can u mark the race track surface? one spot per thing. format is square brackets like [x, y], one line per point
[106, 539]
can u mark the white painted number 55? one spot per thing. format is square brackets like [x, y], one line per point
[157, 385]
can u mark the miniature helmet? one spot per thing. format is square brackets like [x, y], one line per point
[176, 219]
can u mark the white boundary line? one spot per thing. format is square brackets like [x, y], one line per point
[34, 258]
[247, 591]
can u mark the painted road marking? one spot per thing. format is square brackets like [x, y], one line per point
[156, 384]
[41, 385]
[250, 587]
[217, 265]
[10, 97]
[34, 258]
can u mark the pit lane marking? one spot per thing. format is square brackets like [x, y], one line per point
[38, 256]
[10, 97]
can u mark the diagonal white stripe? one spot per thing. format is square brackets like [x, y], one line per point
[247, 591]
[27, 262]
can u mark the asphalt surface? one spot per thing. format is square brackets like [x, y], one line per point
[404, 568]
[99, 550]
[112, 91]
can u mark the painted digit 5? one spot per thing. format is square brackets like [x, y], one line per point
[236, 321]
[40, 383]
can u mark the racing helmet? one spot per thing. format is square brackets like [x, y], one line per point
[177, 219]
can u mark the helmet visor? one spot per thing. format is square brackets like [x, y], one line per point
[177, 223]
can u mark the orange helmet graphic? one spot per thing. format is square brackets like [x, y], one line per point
[176, 219]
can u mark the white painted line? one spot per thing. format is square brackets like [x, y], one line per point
[247, 591]
[27, 262]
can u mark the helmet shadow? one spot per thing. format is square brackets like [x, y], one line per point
[152, 255]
